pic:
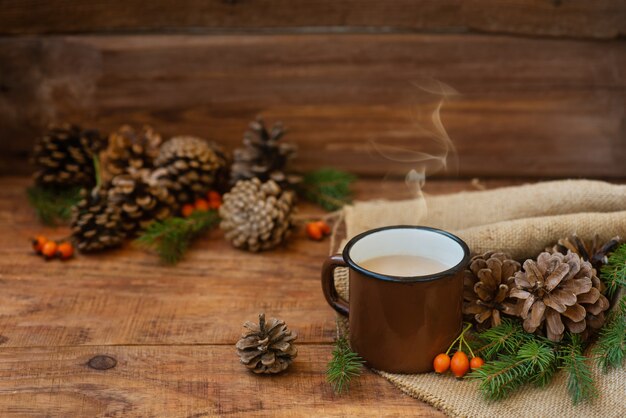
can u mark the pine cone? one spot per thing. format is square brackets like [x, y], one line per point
[594, 308]
[257, 216]
[64, 156]
[594, 251]
[486, 287]
[264, 156]
[130, 149]
[267, 347]
[141, 200]
[95, 224]
[189, 167]
[559, 291]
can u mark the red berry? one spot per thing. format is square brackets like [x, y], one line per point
[214, 196]
[49, 249]
[65, 250]
[215, 199]
[38, 243]
[476, 363]
[459, 364]
[187, 210]
[441, 364]
[201, 205]
[314, 231]
[324, 227]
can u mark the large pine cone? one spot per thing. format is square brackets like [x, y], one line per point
[95, 224]
[594, 251]
[141, 200]
[189, 167]
[486, 288]
[257, 216]
[130, 149]
[264, 156]
[594, 308]
[559, 291]
[64, 156]
[267, 347]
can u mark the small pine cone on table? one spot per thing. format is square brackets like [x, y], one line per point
[267, 347]
[64, 156]
[486, 287]
[559, 292]
[257, 216]
[189, 167]
[130, 149]
[140, 199]
[95, 224]
[594, 251]
[264, 156]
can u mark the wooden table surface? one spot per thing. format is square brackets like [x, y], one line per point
[171, 330]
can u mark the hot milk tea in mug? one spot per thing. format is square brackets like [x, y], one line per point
[406, 291]
[403, 265]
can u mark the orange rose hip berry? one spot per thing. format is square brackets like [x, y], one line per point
[49, 250]
[65, 250]
[38, 243]
[441, 364]
[314, 231]
[459, 365]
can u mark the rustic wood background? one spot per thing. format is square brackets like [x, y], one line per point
[541, 82]
[541, 92]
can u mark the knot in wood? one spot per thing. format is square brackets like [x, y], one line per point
[102, 362]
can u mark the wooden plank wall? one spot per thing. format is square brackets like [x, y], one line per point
[541, 83]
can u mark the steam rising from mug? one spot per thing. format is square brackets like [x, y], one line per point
[421, 163]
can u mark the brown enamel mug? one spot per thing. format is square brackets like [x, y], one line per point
[399, 324]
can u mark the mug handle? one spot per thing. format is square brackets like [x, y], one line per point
[328, 284]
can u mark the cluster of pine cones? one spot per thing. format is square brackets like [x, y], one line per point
[558, 291]
[143, 179]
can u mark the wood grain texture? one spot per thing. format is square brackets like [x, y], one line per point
[125, 296]
[165, 336]
[576, 18]
[528, 107]
[184, 381]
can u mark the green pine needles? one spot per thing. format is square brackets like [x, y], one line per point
[579, 379]
[171, 238]
[515, 358]
[328, 188]
[53, 205]
[518, 358]
[613, 274]
[345, 365]
[505, 338]
[610, 350]
[533, 362]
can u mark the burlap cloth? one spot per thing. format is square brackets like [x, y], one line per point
[522, 221]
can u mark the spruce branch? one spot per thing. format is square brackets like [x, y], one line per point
[613, 273]
[579, 379]
[610, 349]
[344, 365]
[171, 237]
[327, 187]
[500, 377]
[505, 338]
[545, 375]
[53, 205]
